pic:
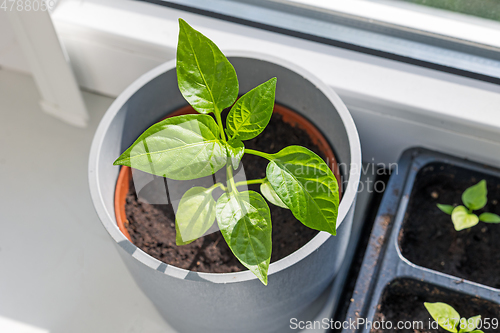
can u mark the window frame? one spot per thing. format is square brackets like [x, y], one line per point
[448, 44]
[395, 105]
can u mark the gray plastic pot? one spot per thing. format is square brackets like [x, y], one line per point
[230, 302]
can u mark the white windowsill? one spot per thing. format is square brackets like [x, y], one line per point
[395, 105]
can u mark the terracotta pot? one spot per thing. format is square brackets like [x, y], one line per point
[288, 116]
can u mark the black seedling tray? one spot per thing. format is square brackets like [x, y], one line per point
[384, 267]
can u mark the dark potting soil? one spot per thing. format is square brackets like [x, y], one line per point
[428, 238]
[403, 301]
[152, 227]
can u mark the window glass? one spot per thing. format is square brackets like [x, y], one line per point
[488, 9]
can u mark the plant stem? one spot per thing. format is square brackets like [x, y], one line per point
[219, 122]
[229, 175]
[213, 187]
[250, 182]
[229, 164]
[259, 153]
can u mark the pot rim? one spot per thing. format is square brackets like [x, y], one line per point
[108, 219]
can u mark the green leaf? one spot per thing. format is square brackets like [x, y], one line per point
[446, 316]
[448, 209]
[462, 219]
[245, 222]
[489, 218]
[475, 196]
[250, 115]
[268, 192]
[477, 331]
[181, 148]
[235, 149]
[469, 325]
[206, 79]
[195, 214]
[306, 185]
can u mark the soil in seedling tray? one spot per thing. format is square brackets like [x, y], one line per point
[403, 301]
[428, 238]
[152, 227]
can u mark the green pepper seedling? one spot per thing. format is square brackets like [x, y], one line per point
[449, 319]
[474, 198]
[198, 145]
